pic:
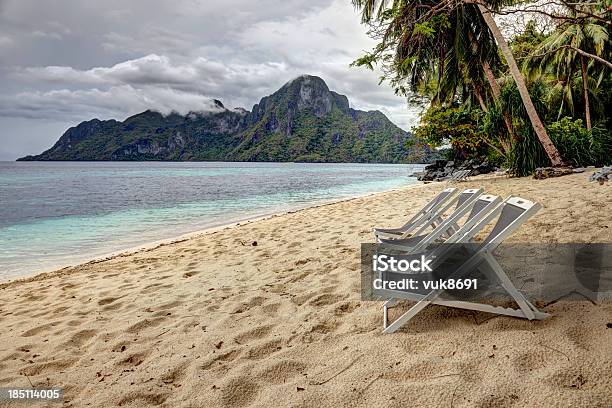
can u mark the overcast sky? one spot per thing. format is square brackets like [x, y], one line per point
[66, 61]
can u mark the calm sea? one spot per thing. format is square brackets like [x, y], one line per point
[54, 214]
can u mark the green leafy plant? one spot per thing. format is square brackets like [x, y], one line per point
[457, 126]
[578, 145]
[527, 154]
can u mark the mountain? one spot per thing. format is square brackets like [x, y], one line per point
[302, 121]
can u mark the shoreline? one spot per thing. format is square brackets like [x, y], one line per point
[148, 246]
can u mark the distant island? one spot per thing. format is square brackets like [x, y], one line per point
[303, 121]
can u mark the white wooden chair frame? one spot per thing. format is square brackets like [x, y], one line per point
[483, 254]
[448, 231]
[429, 211]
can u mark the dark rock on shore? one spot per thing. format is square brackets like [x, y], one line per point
[548, 172]
[602, 176]
[442, 170]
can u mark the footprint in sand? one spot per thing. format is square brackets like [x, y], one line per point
[281, 372]
[255, 301]
[256, 333]
[74, 323]
[145, 324]
[299, 277]
[507, 399]
[190, 274]
[346, 308]
[532, 360]
[301, 299]
[271, 309]
[175, 375]
[113, 306]
[217, 361]
[325, 327]
[326, 299]
[79, 339]
[121, 346]
[264, 350]
[134, 360]
[249, 304]
[155, 287]
[571, 378]
[108, 300]
[54, 367]
[36, 330]
[59, 310]
[239, 392]
[170, 305]
[579, 336]
[139, 399]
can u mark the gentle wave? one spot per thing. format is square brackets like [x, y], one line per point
[59, 213]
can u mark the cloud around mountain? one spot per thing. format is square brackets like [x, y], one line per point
[112, 59]
[151, 82]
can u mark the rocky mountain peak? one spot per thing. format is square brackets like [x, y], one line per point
[302, 121]
[309, 92]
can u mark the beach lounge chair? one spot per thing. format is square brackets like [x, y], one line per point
[459, 175]
[465, 175]
[478, 209]
[452, 177]
[463, 200]
[511, 214]
[428, 212]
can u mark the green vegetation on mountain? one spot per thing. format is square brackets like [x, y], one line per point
[302, 121]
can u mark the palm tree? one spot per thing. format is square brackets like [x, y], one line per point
[450, 56]
[538, 126]
[445, 50]
[416, 28]
[559, 53]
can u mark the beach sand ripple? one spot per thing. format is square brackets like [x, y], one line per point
[215, 320]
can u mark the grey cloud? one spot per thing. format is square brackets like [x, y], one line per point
[116, 102]
[136, 80]
[5, 41]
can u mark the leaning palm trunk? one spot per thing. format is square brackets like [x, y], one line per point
[585, 89]
[538, 127]
[481, 101]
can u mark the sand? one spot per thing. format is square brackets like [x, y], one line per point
[268, 313]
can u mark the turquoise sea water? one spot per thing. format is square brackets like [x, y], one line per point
[59, 213]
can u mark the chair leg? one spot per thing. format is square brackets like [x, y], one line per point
[507, 284]
[389, 303]
[385, 316]
[403, 319]
[527, 310]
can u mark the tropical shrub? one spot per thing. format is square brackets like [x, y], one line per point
[575, 143]
[527, 155]
[603, 141]
[527, 152]
[456, 126]
[578, 146]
